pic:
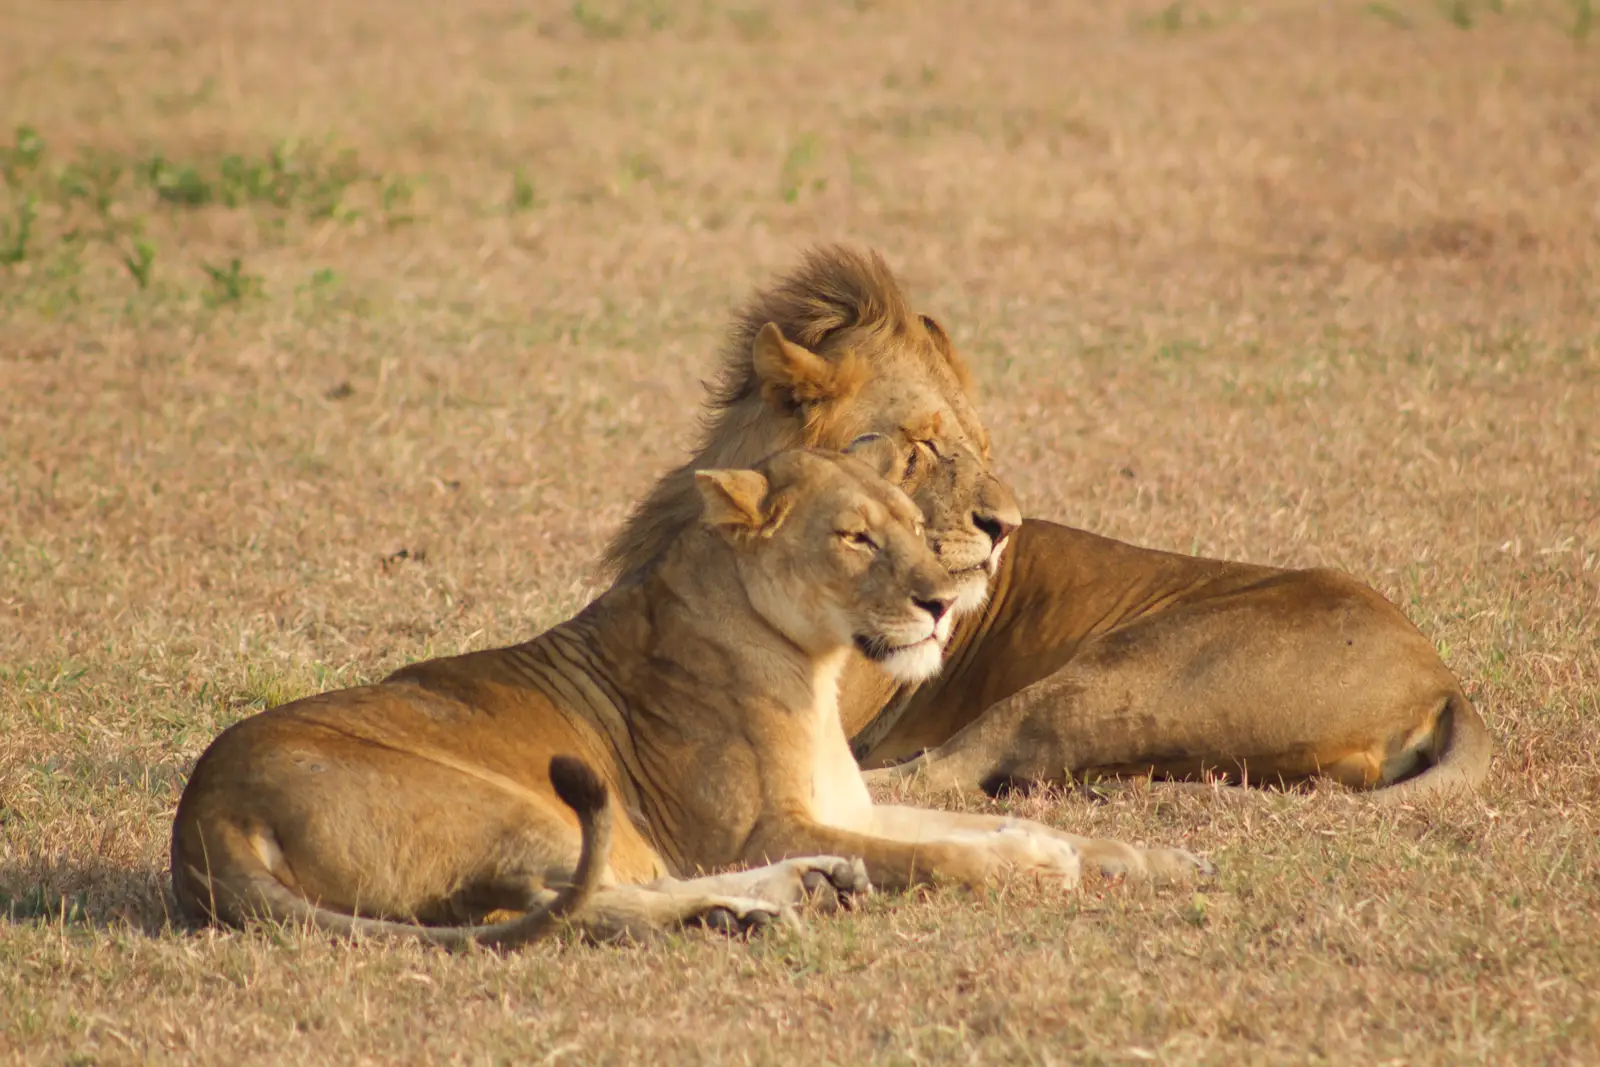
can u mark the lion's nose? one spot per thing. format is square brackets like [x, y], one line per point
[933, 606]
[996, 527]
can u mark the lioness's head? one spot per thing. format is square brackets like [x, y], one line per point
[831, 353]
[832, 555]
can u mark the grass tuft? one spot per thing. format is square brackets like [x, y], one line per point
[1582, 20]
[230, 284]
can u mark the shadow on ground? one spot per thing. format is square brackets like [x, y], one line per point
[90, 893]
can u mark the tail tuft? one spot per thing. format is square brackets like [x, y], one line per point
[577, 785]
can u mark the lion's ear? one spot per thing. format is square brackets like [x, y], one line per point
[794, 376]
[941, 341]
[878, 452]
[733, 500]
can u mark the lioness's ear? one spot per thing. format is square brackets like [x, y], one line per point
[792, 375]
[733, 499]
[879, 453]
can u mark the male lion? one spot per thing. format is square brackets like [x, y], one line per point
[1089, 656]
[703, 693]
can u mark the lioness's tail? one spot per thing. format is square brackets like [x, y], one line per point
[578, 787]
[1459, 760]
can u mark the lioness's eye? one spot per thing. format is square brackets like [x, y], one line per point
[859, 538]
[914, 461]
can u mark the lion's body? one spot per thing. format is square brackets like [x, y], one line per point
[702, 693]
[1097, 658]
[1091, 656]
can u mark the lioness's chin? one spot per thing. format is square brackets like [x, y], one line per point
[914, 663]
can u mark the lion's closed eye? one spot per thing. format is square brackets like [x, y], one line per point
[858, 538]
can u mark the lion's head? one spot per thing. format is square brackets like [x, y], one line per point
[831, 353]
[832, 555]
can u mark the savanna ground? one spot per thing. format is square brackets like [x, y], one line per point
[337, 335]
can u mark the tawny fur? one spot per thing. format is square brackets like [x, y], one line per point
[703, 693]
[1088, 656]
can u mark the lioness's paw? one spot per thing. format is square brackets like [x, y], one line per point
[738, 916]
[829, 882]
[1116, 860]
[826, 881]
[1022, 848]
[1177, 864]
[1049, 855]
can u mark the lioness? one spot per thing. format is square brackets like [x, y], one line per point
[1088, 656]
[702, 691]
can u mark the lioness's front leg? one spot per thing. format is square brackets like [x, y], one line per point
[641, 912]
[971, 856]
[827, 880]
[1112, 858]
[735, 902]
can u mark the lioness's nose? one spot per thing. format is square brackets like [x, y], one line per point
[997, 527]
[933, 606]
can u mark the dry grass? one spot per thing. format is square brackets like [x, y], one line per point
[1294, 282]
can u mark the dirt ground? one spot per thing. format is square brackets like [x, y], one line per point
[336, 335]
